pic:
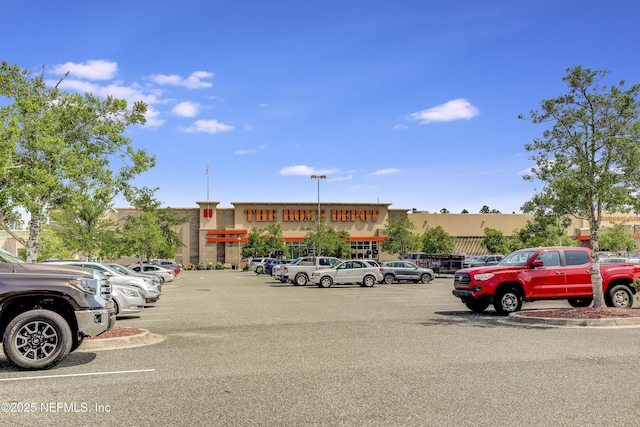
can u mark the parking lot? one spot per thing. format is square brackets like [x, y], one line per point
[241, 349]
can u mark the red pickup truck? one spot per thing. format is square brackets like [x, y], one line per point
[543, 274]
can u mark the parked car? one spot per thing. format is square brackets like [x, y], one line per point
[127, 299]
[615, 260]
[169, 265]
[277, 270]
[150, 290]
[269, 265]
[258, 264]
[129, 272]
[482, 260]
[168, 275]
[395, 271]
[361, 271]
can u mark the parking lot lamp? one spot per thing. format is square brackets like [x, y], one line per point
[239, 254]
[318, 178]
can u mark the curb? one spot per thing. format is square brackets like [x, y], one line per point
[593, 323]
[119, 343]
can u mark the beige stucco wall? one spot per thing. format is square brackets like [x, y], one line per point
[468, 225]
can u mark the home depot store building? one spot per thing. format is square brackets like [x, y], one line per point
[212, 234]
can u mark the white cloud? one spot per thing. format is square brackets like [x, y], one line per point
[250, 151]
[449, 111]
[306, 170]
[91, 70]
[186, 109]
[400, 127]
[194, 81]
[208, 126]
[153, 119]
[386, 171]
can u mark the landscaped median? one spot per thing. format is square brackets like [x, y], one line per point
[119, 338]
[588, 316]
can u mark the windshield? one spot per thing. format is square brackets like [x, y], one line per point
[7, 257]
[517, 259]
[122, 269]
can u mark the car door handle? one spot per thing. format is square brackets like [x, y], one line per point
[559, 272]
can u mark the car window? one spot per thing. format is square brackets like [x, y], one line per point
[576, 257]
[324, 262]
[358, 264]
[550, 259]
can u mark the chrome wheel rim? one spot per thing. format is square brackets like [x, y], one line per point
[36, 340]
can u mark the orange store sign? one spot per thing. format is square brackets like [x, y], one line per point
[307, 215]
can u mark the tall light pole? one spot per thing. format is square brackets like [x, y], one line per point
[239, 255]
[318, 178]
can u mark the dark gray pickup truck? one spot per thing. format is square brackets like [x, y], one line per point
[47, 310]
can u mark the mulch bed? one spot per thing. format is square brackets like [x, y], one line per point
[118, 332]
[583, 313]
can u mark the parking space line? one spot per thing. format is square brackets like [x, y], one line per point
[77, 375]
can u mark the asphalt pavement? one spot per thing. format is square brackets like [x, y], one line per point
[239, 349]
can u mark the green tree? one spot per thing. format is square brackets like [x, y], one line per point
[589, 155]
[464, 211]
[255, 244]
[437, 241]
[616, 238]
[400, 237]
[83, 228]
[330, 241]
[150, 233]
[52, 246]
[485, 210]
[541, 230]
[444, 211]
[55, 145]
[495, 241]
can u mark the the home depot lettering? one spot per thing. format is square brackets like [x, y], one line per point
[307, 215]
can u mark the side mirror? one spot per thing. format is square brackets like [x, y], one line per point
[537, 263]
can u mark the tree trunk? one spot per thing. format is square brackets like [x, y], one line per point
[596, 277]
[32, 245]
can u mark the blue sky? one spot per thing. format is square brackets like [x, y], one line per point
[413, 103]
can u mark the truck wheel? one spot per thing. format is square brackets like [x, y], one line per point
[389, 279]
[301, 279]
[259, 270]
[425, 278]
[477, 307]
[580, 302]
[369, 281]
[37, 339]
[621, 297]
[325, 282]
[116, 306]
[507, 301]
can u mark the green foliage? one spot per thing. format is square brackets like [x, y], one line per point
[464, 211]
[589, 155]
[485, 210]
[52, 246]
[542, 230]
[400, 238]
[616, 238]
[327, 241]
[495, 241]
[264, 241]
[83, 228]
[437, 241]
[151, 233]
[444, 211]
[55, 146]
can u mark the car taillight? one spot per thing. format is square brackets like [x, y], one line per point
[176, 270]
[285, 269]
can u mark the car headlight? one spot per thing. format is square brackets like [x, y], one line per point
[482, 277]
[84, 284]
[129, 292]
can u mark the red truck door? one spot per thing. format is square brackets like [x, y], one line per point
[549, 280]
[578, 273]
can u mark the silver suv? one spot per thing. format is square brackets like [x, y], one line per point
[149, 288]
[395, 271]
